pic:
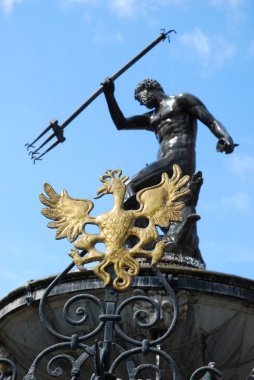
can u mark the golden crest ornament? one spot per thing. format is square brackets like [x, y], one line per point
[159, 205]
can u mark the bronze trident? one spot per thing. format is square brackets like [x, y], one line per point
[58, 129]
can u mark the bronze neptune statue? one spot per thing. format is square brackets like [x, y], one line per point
[173, 119]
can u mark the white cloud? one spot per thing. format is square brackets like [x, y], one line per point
[234, 9]
[8, 5]
[251, 48]
[239, 202]
[129, 8]
[67, 4]
[102, 37]
[212, 53]
[79, 2]
[199, 42]
[234, 4]
[124, 8]
[242, 165]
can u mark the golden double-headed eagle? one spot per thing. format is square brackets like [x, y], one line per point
[159, 205]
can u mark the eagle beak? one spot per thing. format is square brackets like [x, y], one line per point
[101, 191]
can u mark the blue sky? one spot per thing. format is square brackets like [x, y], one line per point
[55, 53]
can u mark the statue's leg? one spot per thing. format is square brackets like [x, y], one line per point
[149, 176]
[184, 237]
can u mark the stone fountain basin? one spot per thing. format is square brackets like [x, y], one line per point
[216, 319]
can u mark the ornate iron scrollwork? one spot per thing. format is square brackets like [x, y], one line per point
[74, 350]
[112, 346]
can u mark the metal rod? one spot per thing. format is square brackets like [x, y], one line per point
[162, 37]
[58, 129]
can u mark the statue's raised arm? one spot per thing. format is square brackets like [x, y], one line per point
[120, 121]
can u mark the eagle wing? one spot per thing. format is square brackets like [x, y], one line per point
[161, 203]
[69, 214]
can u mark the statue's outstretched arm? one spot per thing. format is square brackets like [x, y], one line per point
[120, 121]
[196, 108]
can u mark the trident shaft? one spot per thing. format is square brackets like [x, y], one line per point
[58, 129]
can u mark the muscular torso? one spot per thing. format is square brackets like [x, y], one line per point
[174, 122]
[175, 128]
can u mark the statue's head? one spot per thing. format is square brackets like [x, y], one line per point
[146, 90]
